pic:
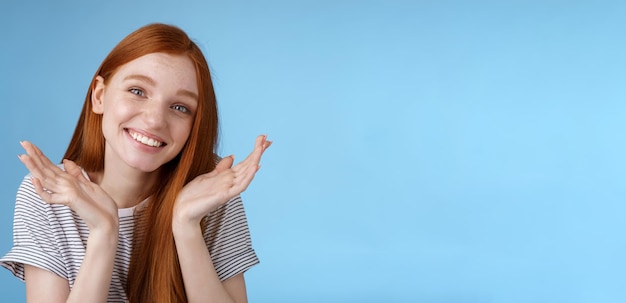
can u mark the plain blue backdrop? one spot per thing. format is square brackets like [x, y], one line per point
[424, 151]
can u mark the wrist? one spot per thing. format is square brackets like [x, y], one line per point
[182, 226]
[106, 237]
[182, 216]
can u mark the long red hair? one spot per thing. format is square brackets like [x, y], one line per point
[154, 274]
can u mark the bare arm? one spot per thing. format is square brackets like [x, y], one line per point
[92, 281]
[202, 283]
[205, 193]
[70, 188]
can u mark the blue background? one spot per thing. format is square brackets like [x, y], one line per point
[424, 151]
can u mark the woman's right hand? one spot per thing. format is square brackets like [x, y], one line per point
[70, 188]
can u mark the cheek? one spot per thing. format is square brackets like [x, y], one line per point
[114, 115]
[110, 118]
[183, 132]
[117, 111]
[179, 132]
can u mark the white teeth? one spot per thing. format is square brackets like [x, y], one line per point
[145, 140]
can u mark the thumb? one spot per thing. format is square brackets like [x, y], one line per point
[223, 165]
[73, 169]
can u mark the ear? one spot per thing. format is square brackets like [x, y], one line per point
[97, 94]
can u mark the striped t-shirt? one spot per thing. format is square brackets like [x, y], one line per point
[54, 238]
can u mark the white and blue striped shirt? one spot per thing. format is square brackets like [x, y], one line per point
[54, 238]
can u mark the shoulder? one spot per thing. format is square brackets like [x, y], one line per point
[26, 192]
[31, 207]
[227, 222]
[234, 207]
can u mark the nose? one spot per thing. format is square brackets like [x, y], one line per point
[154, 114]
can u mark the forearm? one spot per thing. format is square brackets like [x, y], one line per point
[202, 283]
[94, 276]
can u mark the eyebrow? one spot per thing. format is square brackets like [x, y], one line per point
[151, 81]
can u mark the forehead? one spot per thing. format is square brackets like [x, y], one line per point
[175, 71]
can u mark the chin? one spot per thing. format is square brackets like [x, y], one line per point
[144, 167]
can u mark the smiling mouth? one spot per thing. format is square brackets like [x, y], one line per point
[145, 140]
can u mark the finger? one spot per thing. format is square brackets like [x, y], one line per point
[30, 159]
[40, 190]
[259, 146]
[225, 164]
[242, 181]
[48, 175]
[253, 160]
[38, 164]
[73, 169]
[245, 176]
[34, 152]
[35, 169]
[247, 169]
[260, 142]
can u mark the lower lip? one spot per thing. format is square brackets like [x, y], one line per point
[142, 147]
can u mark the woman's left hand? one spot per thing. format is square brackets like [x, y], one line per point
[208, 191]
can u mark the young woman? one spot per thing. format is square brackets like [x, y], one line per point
[141, 208]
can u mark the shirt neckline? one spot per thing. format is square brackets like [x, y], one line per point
[121, 212]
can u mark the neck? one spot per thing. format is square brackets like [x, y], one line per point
[127, 186]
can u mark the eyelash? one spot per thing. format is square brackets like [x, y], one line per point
[181, 108]
[137, 92]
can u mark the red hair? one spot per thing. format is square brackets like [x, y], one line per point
[154, 274]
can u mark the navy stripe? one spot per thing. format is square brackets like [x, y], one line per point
[53, 237]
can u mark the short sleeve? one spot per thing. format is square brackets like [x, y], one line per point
[34, 240]
[227, 236]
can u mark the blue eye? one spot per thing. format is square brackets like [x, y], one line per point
[136, 91]
[181, 108]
